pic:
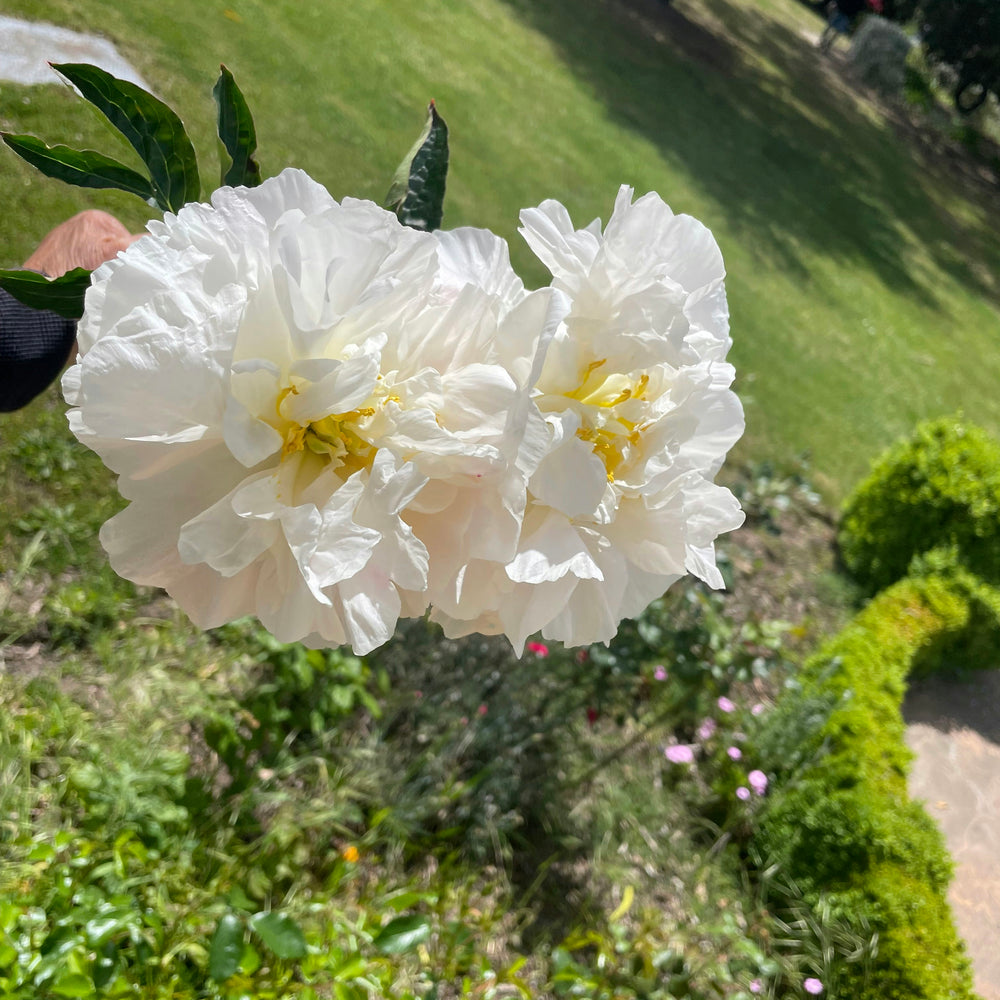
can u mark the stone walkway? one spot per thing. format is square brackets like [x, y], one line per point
[26, 49]
[954, 729]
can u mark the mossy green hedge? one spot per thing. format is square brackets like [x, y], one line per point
[939, 488]
[843, 825]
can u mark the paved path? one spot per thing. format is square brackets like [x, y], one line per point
[26, 49]
[954, 729]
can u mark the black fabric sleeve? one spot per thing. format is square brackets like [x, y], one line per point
[34, 346]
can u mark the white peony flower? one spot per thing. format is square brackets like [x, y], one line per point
[307, 405]
[635, 391]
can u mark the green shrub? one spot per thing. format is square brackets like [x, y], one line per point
[878, 55]
[840, 822]
[939, 488]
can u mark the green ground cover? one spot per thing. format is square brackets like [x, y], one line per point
[863, 282]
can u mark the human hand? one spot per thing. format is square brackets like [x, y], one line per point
[86, 240]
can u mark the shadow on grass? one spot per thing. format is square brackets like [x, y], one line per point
[478, 742]
[797, 167]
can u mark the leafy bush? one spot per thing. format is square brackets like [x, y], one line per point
[840, 820]
[296, 700]
[939, 488]
[878, 55]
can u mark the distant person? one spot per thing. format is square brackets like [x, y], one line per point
[35, 345]
[840, 17]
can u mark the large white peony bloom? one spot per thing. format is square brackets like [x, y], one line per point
[635, 391]
[306, 404]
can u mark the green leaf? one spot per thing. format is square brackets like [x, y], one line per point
[153, 130]
[402, 934]
[236, 131]
[226, 949]
[72, 984]
[280, 933]
[82, 167]
[417, 192]
[63, 295]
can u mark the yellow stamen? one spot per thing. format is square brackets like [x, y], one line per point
[294, 441]
[283, 395]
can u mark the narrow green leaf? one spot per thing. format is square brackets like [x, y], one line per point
[279, 933]
[226, 949]
[417, 192]
[237, 132]
[63, 295]
[153, 130]
[402, 934]
[82, 167]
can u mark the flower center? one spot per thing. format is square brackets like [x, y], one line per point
[608, 421]
[338, 438]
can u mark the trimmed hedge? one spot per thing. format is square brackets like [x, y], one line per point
[939, 488]
[843, 826]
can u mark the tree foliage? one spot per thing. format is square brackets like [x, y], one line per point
[964, 34]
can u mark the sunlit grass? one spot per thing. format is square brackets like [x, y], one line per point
[863, 287]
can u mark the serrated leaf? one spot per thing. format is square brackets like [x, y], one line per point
[417, 191]
[82, 167]
[152, 129]
[63, 295]
[226, 949]
[236, 131]
[402, 934]
[279, 933]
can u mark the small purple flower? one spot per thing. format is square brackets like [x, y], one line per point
[758, 781]
[706, 730]
[725, 705]
[660, 673]
[679, 754]
[756, 986]
[757, 709]
[813, 985]
[743, 793]
[734, 753]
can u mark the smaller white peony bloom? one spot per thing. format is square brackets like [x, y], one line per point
[308, 405]
[635, 392]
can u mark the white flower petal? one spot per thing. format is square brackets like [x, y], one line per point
[551, 551]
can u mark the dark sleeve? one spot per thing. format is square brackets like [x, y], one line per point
[34, 346]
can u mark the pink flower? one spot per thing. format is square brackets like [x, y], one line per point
[757, 709]
[581, 654]
[706, 730]
[813, 986]
[756, 986]
[758, 782]
[539, 649]
[660, 673]
[725, 705]
[482, 710]
[734, 753]
[743, 793]
[679, 754]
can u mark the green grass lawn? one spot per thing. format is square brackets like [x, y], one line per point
[863, 286]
